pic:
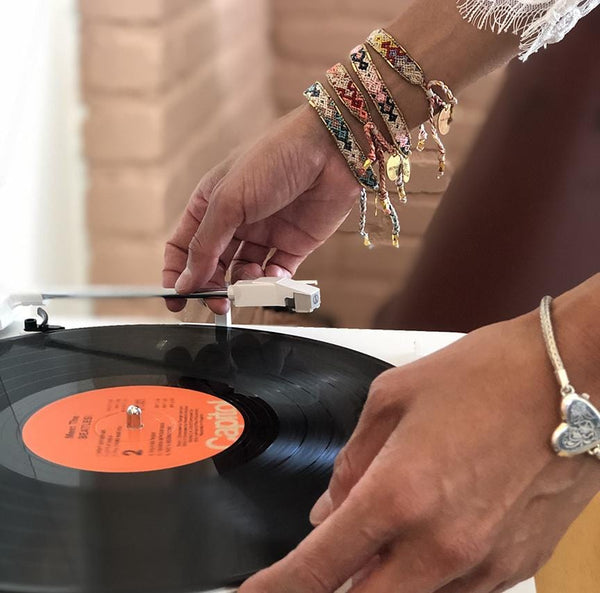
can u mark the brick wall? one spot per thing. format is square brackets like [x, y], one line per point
[161, 114]
[167, 87]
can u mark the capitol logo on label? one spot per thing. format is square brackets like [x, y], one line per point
[227, 425]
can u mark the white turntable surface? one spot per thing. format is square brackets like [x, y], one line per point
[394, 346]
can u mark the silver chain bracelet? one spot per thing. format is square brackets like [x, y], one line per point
[580, 430]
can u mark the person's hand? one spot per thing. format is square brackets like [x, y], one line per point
[262, 212]
[449, 484]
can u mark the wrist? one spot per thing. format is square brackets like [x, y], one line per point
[575, 318]
[324, 152]
[576, 332]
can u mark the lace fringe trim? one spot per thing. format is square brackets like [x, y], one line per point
[537, 23]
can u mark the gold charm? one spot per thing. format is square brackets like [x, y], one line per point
[405, 169]
[393, 167]
[444, 119]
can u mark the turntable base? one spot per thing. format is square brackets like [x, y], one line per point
[393, 346]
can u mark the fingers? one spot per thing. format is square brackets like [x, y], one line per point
[283, 264]
[401, 577]
[248, 261]
[363, 526]
[221, 306]
[377, 422]
[175, 258]
[353, 531]
[420, 562]
[471, 583]
[255, 261]
[407, 567]
[212, 237]
[262, 182]
[350, 465]
[176, 249]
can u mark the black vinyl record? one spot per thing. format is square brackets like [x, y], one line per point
[192, 527]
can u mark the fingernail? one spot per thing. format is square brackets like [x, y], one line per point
[182, 284]
[322, 509]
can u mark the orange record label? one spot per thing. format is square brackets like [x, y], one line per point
[93, 431]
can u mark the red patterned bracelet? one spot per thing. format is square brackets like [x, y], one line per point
[330, 115]
[349, 93]
[382, 98]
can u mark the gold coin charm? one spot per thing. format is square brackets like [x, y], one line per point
[405, 169]
[393, 167]
[444, 120]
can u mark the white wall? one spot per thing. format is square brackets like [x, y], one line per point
[42, 180]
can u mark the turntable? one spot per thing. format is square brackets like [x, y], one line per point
[172, 458]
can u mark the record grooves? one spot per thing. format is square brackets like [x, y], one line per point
[192, 527]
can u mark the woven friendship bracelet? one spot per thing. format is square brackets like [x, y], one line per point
[330, 115]
[397, 57]
[386, 106]
[404, 64]
[349, 93]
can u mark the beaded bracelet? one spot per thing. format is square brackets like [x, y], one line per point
[330, 115]
[404, 64]
[349, 93]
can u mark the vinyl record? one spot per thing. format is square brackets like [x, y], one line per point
[239, 432]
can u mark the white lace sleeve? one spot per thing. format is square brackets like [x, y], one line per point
[537, 22]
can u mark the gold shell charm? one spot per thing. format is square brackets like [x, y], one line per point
[444, 119]
[393, 167]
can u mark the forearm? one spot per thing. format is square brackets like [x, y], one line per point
[447, 47]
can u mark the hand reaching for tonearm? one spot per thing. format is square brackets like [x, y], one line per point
[262, 212]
